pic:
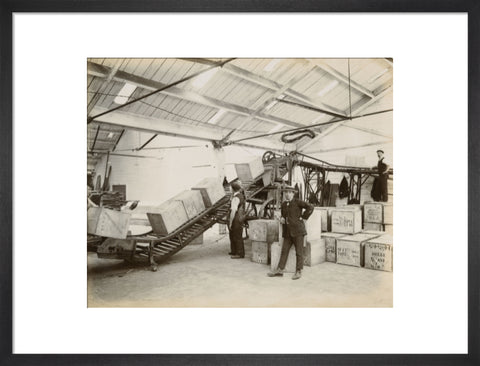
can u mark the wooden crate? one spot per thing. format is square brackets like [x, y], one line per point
[192, 201]
[314, 225]
[261, 252]
[211, 189]
[346, 220]
[314, 252]
[378, 212]
[350, 249]
[276, 250]
[250, 170]
[388, 229]
[167, 217]
[230, 172]
[326, 213]
[379, 253]
[388, 213]
[263, 230]
[372, 226]
[105, 222]
[331, 246]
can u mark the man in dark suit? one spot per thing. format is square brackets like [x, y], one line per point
[294, 212]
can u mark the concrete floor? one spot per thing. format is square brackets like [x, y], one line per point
[205, 276]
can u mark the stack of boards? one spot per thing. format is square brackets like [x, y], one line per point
[163, 219]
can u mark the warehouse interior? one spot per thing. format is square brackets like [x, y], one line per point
[158, 128]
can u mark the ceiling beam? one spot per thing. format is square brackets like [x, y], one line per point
[165, 127]
[357, 109]
[269, 84]
[340, 76]
[370, 131]
[351, 147]
[273, 98]
[122, 76]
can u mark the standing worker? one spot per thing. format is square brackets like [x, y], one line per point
[294, 212]
[382, 168]
[235, 222]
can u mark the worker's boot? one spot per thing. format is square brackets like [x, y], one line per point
[297, 275]
[276, 272]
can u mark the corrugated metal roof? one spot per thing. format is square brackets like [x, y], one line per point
[243, 92]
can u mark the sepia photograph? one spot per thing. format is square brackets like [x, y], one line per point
[240, 182]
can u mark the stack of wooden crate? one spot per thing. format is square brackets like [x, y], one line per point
[378, 216]
[263, 234]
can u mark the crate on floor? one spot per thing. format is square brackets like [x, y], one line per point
[314, 225]
[276, 250]
[167, 217]
[331, 245]
[192, 201]
[250, 170]
[350, 249]
[314, 252]
[211, 189]
[379, 253]
[372, 226]
[347, 220]
[263, 230]
[261, 252]
[106, 222]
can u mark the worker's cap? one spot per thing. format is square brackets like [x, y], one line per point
[236, 186]
[381, 151]
[288, 189]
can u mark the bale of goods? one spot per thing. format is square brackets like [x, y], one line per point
[276, 250]
[251, 170]
[372, 226]
[378, 212]
[347, 220]
[198, 240]
[379, 253]
[211, 189]
[331, 246]
[192, 201]
[106, 222]
[264, 230]
[261, 252]
[167, 217]
[230, 172]
[314, 252]
[350, 249]
[314, 225]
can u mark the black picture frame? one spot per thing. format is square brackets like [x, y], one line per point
[9, 7]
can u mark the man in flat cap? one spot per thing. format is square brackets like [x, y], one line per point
[235, 224]
[382, 168]
[293, 213]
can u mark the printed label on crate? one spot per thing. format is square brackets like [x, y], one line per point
[378, 256]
